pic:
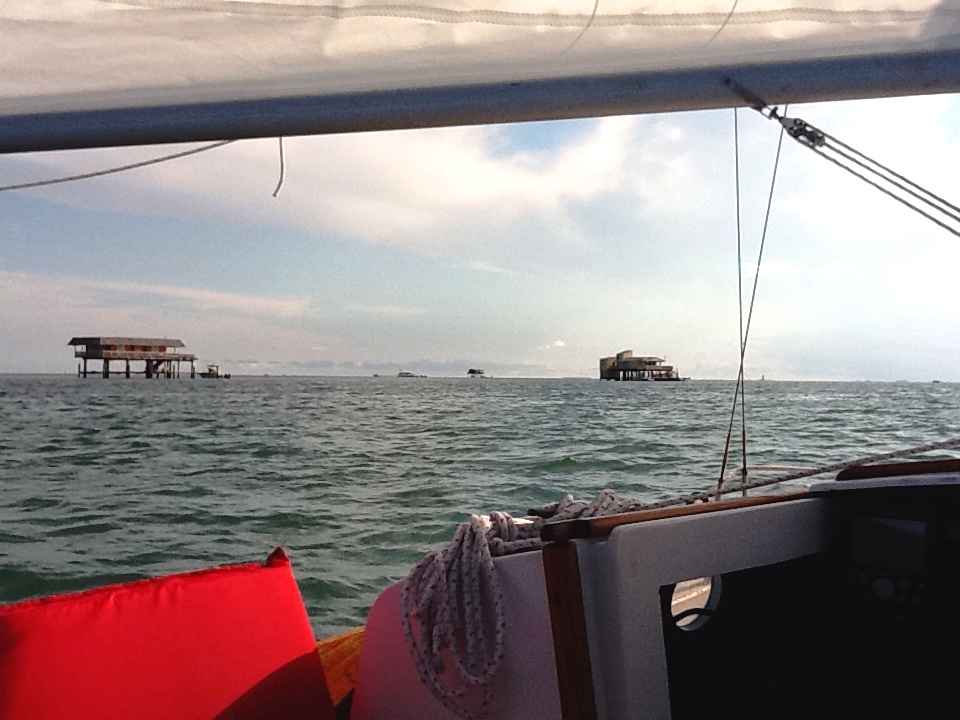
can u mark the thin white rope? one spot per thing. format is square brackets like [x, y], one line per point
[113, 170]
[451, 603]
[587, 26]
[726, 21]
[743, 344]
[735, 472]
[745, 332]
[283, 167]
[811, 472]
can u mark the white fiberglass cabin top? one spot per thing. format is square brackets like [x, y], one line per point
[832, 602]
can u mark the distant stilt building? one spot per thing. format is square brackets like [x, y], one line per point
[155, 353]
[624, 366]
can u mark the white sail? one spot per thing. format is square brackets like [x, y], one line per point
[79, 73]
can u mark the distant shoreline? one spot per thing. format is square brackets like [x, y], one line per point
[386, 376]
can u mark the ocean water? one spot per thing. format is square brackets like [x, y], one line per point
[111, 480]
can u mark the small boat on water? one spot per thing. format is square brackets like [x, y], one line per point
[407, 374]
[476, 373]
[213, 372]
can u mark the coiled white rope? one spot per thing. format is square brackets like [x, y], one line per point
[453, 596]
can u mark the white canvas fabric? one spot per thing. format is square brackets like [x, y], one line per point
[67, 56]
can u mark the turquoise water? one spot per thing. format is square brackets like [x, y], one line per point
[110, 480]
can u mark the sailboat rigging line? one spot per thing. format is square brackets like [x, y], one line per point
[118, 169]
[766, 468]
[907, 187]
[746, 330]
[931, 198]
[743, 395]
[283, 167]
[822, 143]
[593, 16]
[726, 21]
[846, 157]
[715, 493]
[898, 198]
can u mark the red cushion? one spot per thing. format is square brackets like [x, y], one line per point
[230, 642]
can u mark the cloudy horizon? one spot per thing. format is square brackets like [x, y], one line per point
[529, 250]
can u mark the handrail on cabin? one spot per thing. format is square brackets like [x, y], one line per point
[600, 527]
[914, 467]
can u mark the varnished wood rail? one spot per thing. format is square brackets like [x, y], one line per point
[561, 571]
[601, 527]
[910, 467]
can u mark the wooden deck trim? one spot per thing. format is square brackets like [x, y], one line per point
[601, 527]
[340, 656]
[561, 570]
[910, 467]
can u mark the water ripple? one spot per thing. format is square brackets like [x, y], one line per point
[105, 481]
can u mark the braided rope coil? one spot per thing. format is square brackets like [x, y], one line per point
[451, 604]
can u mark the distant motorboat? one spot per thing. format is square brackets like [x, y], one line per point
[405, 374]
[477, 373]
[213, 371]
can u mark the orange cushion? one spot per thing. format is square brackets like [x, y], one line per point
[229, 642]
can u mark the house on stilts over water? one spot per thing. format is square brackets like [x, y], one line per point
[158, 355]
[624, 366]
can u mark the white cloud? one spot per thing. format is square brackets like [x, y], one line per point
[213, 300]
[481, 266]
[556, 344]
[438, 192]
[390, 310]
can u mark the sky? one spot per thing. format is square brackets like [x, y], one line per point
[529, 250]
